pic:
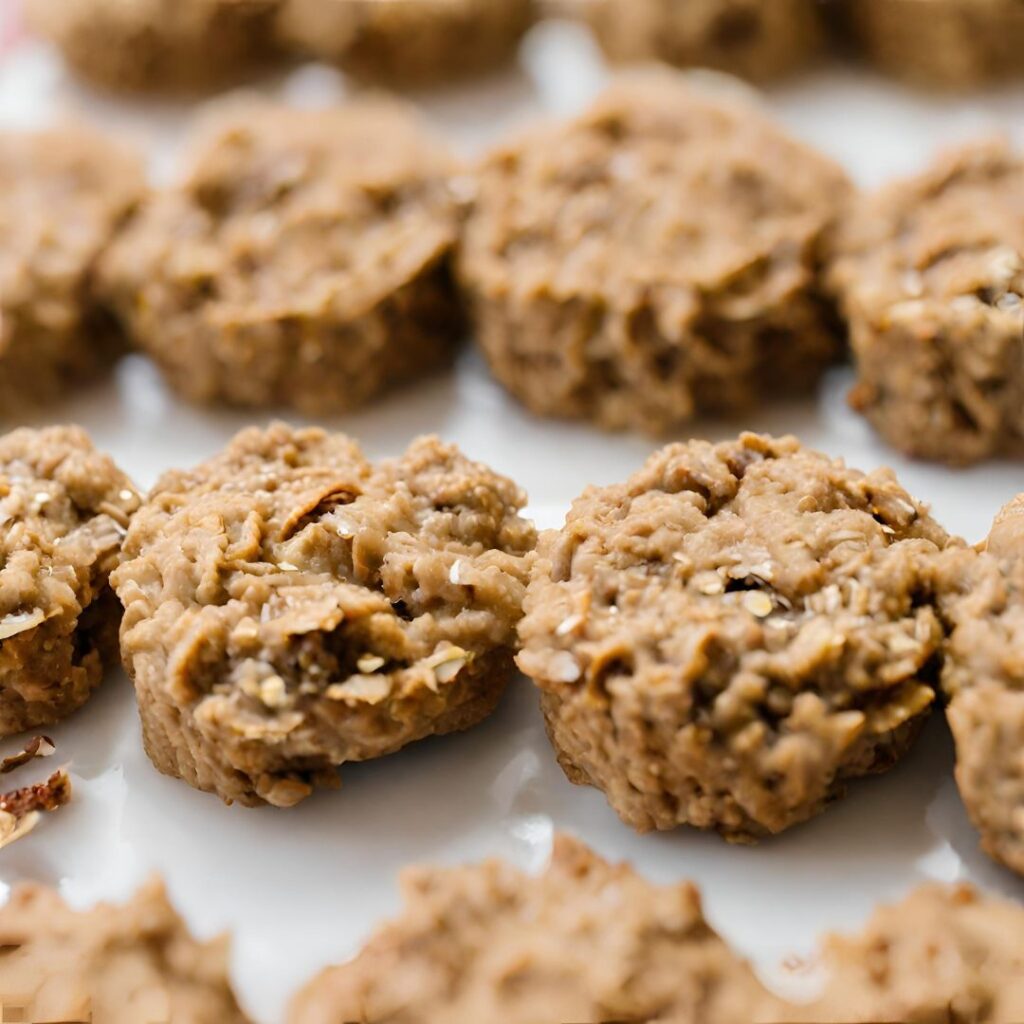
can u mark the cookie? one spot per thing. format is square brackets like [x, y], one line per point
[983, 678]
[117, 964]
[408, 42]
[290, 607]
[584, 941]
[64, 509]
[652, 260]
[954, 44]
[758, 39]
[734, 633]
[63, 193]
[303, 261]
[930, 277]
[150, 45]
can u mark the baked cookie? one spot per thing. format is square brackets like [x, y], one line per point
[117, 964]
[940, 43]
[290, 607]
[152, 45]
[63, 193]
[585, 941]
[983, 677]
[64, 508]
[408, 42]
[930, 277]
[734, 633]
[945, 953]
[304, 261]
[656, 258]
[757, 39]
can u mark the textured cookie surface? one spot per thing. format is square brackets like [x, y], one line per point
[408, 42]
[585, 941]
[656, 258]
[930, 275]
[290, 607]
[729, 636]
[303, 261]
[117, 964]
[64, 508]
[63, 193]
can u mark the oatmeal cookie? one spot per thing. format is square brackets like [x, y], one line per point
[290, 607]
[940, 43]
[153, 45]
[63, 193]
[115, 964]
[584, 941]
[930, 277]
[408, 42]
[303, 261]
[656, 258]
[730, 636]
[64, 508]
[757, 39]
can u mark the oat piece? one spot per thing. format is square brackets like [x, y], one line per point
[656, 258]
[64, 508]
[63, 192]
[303, 261]
[584, 941]
[735, 632]
[953, 44]
[290, 607]
[408, 42]
[152, 45]
[62, 964]
[758, 39]
[930, 276]
[945, 953]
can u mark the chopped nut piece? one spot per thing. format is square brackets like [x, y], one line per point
[758, 603]
[370, 663]
[43, 796]
[13, 827]
[21, 622]
[40, 746]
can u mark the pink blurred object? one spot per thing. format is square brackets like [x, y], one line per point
[12, 31]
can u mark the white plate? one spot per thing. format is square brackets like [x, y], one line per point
[302, 888]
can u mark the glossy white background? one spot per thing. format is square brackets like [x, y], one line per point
[302, 888]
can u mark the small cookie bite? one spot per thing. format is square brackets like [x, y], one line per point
[408, 42]
[652, 260]
[64, 509]
[117, 964]
[945, 953]
[929, 275]
[729, 637]
[949, 44]
[290, 607]
[757, 39]
[303, 261]
[63, 194]
[153, 46]
[584, 941]
[982, 598]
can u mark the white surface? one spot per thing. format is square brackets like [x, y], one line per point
[302, 888]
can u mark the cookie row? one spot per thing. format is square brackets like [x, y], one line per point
[724, 641]
[583, 941]
[665, 255]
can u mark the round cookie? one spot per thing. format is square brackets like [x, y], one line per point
[63, 194]
[152, 45]
[408, 42]
[654, 259]
[930, 277]
[116, 964]
[734, 633]
[584, 941]
[954, 44]
[303, 261]
[757, 39]
[64, 509]
[290, 607]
